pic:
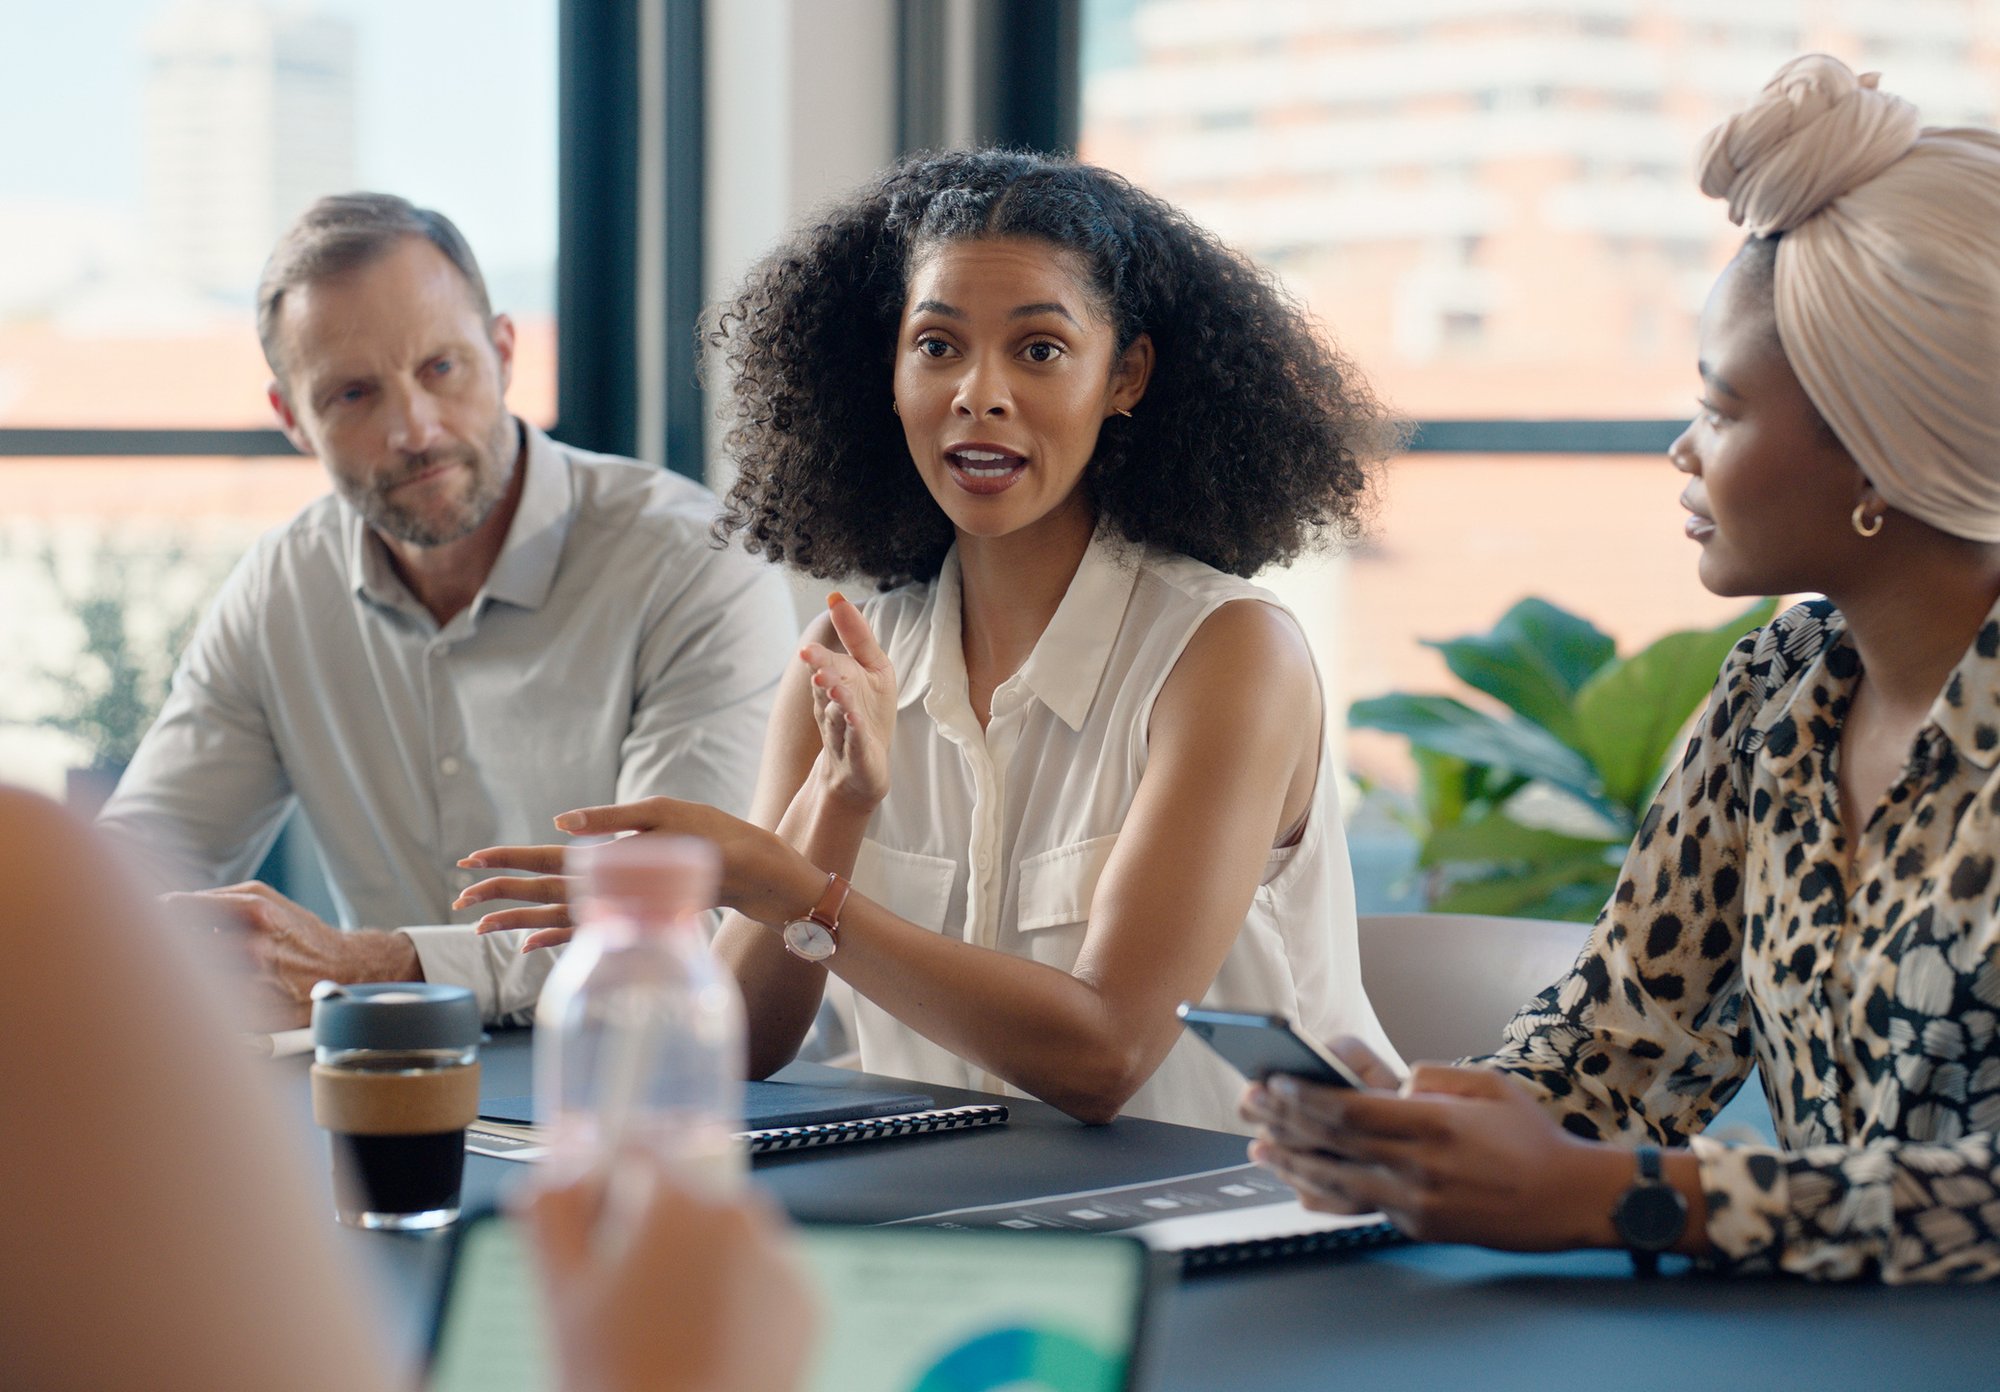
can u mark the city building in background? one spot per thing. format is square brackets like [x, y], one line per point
[1490, 204]
[250, 115]
[172, 141]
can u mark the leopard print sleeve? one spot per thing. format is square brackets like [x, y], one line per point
[1895, 1211]
[1644, 1038]
[1862, 976]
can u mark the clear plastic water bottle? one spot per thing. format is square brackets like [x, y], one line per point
[639, 1042]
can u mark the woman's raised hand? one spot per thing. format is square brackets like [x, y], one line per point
[854, 705]
[762, 877]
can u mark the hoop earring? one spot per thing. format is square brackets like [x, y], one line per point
[894, 409]
[1866, 528]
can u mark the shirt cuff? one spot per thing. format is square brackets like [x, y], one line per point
[505, 981]
[1748, 1196]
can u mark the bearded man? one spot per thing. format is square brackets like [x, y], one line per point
[478, 630]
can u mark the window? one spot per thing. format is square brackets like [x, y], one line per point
[172, 140]
[1493, 210]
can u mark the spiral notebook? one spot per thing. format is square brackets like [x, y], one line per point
[779, 1117]
[1214, 1218]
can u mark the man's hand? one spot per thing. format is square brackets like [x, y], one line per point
[289, 948]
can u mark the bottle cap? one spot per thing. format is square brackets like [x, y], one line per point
[651, 878]
[394, 1015]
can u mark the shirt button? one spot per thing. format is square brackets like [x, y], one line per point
[448, 765]
[984, 861]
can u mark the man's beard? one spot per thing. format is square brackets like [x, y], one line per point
[439, 525]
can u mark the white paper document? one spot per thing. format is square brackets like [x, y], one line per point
[1215, 1208]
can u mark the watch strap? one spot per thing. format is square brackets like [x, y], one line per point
[826, 913]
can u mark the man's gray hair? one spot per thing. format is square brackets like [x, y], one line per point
[344, 232]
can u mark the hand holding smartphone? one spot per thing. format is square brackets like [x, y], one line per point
[1259, 1045]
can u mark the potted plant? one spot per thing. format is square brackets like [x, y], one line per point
[133, 610]
[1529, 813]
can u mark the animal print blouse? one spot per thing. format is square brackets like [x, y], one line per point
[1865, 986]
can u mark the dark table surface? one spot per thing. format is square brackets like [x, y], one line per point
[1410, 1316]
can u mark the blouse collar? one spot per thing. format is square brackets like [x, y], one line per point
[1067, 664]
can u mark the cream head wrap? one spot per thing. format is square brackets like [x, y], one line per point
[1887, 284]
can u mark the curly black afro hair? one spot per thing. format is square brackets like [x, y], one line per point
[1252, 442]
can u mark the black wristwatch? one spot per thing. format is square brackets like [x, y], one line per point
[1650, 1216]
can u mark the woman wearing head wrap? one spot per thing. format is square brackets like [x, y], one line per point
[1813, 891]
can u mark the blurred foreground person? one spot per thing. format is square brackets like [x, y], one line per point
[161, 1228]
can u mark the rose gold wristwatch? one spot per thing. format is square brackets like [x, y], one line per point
[812, 937]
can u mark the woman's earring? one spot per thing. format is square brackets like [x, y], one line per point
[1864, 525]
[1123, 412]
[894, 409]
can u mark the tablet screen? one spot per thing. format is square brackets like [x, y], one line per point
[902, 1310]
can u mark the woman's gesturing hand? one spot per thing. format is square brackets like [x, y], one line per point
[1458, 1155]
[702, 1293]
[762, 877]
[854, 705]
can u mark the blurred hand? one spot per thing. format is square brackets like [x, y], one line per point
[288, 948]
[702, 1294]
[854, 705]
[763, 878]
[1457, 1155]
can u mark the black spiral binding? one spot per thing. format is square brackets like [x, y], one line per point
[1268, 1249]
[783, 1138]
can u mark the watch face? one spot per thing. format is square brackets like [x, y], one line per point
[1651, 1216]
[808, 938]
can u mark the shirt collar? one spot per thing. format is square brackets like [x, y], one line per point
[526, 569]
[1967, 711]
[523, 573]
[1068, 661]
[939, 642]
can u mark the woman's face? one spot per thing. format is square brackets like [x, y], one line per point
[1005, 372]
[1770, 492]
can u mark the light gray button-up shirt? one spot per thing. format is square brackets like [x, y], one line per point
[614, 653]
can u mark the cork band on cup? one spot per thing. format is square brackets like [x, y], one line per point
[355, 1102]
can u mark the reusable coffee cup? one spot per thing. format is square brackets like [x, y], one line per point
[395, 1082]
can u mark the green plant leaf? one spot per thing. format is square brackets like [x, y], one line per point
[1449, 726]
[1630, 715]
[1497, 838]
[1444, 787]
[1534, 661]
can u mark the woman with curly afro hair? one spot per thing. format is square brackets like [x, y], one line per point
[1072, 763]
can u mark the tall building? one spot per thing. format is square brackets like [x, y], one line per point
[249, 115]
[1490, 201]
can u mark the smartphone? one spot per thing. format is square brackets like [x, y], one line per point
[1259, 1045]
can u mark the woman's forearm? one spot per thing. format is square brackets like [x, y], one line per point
[1043, 1030]
[781, 992]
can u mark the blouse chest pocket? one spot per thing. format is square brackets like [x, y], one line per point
[1057, 888]
[906, 883]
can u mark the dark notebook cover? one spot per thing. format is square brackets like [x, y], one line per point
[765, 1105]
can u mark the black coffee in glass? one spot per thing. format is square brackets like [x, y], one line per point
[395, 1082]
